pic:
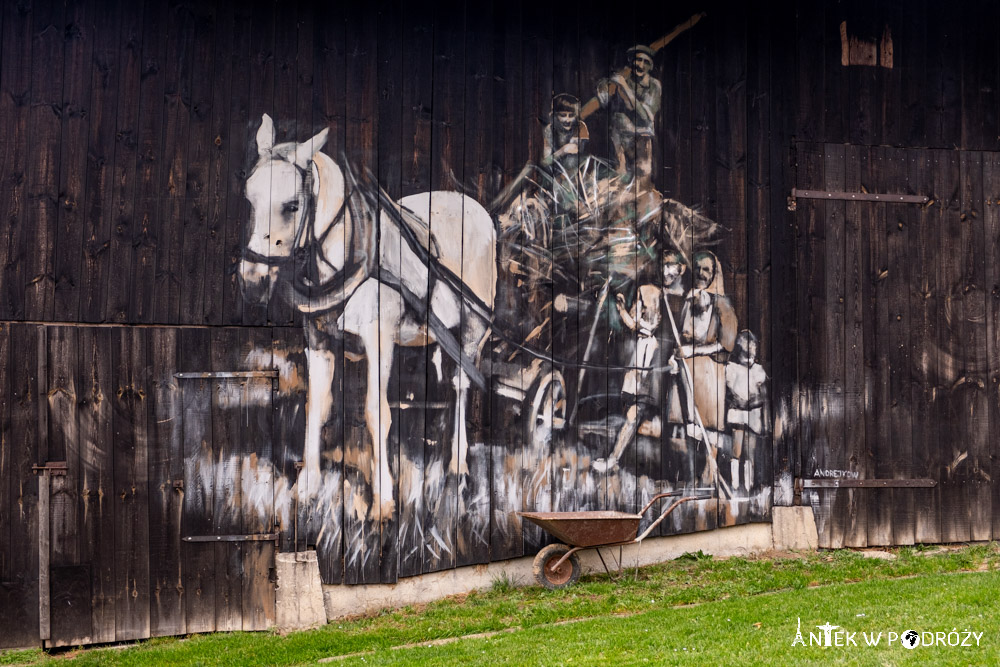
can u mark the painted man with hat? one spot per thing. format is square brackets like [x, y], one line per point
[632, 101]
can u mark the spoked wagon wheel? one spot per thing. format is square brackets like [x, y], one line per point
[546, 572]
[548, 402]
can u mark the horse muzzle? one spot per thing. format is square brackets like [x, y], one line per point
[257, 281]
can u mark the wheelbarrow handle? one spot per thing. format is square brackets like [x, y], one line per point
[675, 505]
[669, 494]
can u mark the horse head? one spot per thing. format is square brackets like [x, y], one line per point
[301, 237]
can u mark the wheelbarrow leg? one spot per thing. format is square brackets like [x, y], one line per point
[601, 556]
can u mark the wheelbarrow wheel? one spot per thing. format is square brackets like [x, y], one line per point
[546, 574]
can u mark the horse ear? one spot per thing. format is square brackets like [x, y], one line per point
[265, 135]
[305, 150]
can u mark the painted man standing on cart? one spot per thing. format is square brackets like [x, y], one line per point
[633, 100]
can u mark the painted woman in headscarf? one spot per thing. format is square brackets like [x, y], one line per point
[708, 335]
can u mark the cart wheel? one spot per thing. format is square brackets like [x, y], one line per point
[548, 403]
[567, 574]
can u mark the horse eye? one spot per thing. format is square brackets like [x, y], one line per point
[290, 207]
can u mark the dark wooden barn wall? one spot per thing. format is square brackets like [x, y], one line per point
[894, 370]
[128, 136]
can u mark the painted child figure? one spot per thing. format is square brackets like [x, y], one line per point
[640, 390]
[564, 139]
[746, 399]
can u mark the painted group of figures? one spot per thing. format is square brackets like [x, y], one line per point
[568, 238]
[583, 229]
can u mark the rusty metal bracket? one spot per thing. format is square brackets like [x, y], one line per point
[214, 375]
[832, 195]
[52, 468]
[258, 537]
[838, 483]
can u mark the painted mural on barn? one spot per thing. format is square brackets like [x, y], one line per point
[569, 345]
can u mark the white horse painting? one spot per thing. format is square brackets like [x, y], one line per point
[360, 265]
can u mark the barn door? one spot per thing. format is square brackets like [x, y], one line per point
[896, 255]
[227, 525]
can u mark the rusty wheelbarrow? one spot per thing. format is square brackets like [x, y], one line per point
[558, 566]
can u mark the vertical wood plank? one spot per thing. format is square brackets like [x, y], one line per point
[151, 160]
[23, 615]
[261, 100]
[15, 78]
[886, 173]
[180, 62]
[166, 486]
[331, 96]
[198, 509]
[293, 126]
[729, 178]
[226, 150]
[6, 447]
[991, 189]
[760, 96]
[237, 131]
[507, 437]
[37, 238]
[836, 91]
[536, 458]
[227, 415]
[106, 76]
[923, 337]
[415, 153]
[902, 232]
[389, 160]
[125, 215]
[78, 54]
[783, 365]
[812, 348]
[980, 78]
[856, 371]
[62, 349]
[196, 225]
[257, 468]
[702, 191]
[810, 60]
[440, 487]
[362, 530]
[130, 484]
[474, 489]
[96, 440]
[943, 83]
[973, 397]
[19, 438]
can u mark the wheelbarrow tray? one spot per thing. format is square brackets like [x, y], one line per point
[587, 529]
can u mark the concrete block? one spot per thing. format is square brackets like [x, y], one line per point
[794, 529]
[299, 595]
[342, 600]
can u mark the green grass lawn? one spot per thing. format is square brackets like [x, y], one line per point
[694, 609]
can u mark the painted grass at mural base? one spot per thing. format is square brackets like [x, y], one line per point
[638, 618]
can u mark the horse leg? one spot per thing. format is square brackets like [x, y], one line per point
[473, 331]
[319, 405]
[378, 338]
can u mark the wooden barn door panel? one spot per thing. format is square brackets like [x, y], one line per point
[227, 524]
[895, 342]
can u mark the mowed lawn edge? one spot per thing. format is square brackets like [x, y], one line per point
[758, 630]
[694, 578]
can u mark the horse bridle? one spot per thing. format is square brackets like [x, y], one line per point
[307, 251]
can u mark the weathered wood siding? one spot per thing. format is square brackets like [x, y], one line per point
[128, 252]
